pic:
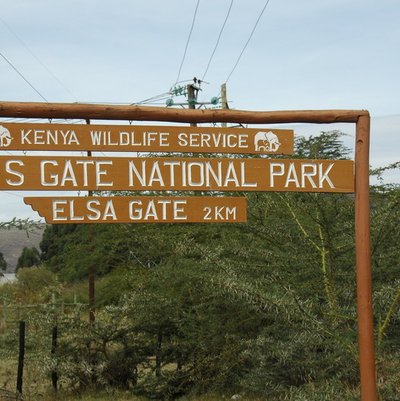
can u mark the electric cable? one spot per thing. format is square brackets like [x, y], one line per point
[218, 40]
[187, 41]
[13, 194]
[158, 97]
[37, 58]
[248, 40]
[11, 154]
[20, 74]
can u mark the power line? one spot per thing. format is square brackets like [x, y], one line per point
[248, 41]
[153, 98]
[20, 74]
[187, 42]
[37, 58]
[12, 193]
[219, 38]
[7, 151]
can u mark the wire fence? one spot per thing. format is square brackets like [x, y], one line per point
[28, 344]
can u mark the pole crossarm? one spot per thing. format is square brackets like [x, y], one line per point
[146, 113]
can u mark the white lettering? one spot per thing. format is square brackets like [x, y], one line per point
[100, 172]
[323, 176]
[164, 203]
[58, 207]
[151, 211]
[217, 176]
[18, 174]
[25, 137]
[135, 213]
[48, 137]
[308, 175]
[156, 176]
[91, 207]
[109, 211]
[172, 166]
[157, 209]
[231, 175]
[68, 175]
[133, 172]
[276, 170]
[72, 215]
[212, 140]
[182, 139]
[164, 139]
[53, 177]
[85, 164]
[179, 210]
[124, 138]
[96, 137]
[191, 181]
[243, 177]
[292, 176]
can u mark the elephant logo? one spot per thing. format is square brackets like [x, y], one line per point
[266, 142]
[5, 137]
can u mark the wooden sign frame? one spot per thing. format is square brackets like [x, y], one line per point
[362, 208]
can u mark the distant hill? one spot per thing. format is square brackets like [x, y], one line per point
[13, 241]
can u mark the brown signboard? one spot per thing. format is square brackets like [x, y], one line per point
[140, 209]
[138, 138]
[175, 174]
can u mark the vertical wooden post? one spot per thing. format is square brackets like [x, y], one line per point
[54, 374]
[92, 268]
[21, 357]
[91, 283]
[363, 262]
[158, 353]
[4, 314]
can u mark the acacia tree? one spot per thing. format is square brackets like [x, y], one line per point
[21, 224]
[385, 215]
[269, 304]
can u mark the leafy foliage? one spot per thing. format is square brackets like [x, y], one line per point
[29, 257]
[267, 307]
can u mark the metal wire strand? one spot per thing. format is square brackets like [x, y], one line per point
[248, 41]
[218, 40]
[187, 41]
[20, 74]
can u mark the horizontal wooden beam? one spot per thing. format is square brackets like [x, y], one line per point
[146, 113]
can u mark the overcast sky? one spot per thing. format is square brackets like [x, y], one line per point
[313, 54]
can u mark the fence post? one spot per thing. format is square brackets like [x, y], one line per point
[4, 316]
[21, 356]
[54, 374]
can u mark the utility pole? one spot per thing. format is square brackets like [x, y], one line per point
[224, 100]
[192, 92]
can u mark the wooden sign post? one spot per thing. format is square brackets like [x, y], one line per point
[300, 175]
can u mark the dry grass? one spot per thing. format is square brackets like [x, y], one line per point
[124, 396]
[37, 388]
